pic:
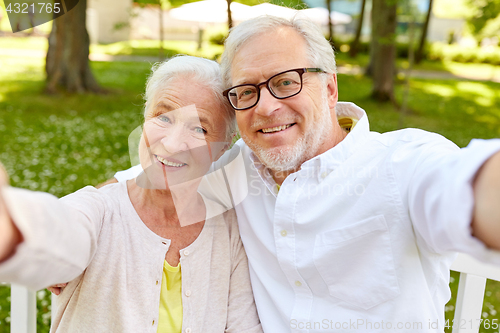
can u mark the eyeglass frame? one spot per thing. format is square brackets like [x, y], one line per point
[300, 71]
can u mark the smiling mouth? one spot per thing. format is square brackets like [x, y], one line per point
[276, 129]
[169, 163]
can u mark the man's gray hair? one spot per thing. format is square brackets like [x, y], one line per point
[319, 51]
[205, 72]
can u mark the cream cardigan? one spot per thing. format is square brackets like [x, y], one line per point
[95, 239]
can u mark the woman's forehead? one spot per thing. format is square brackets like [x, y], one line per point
[180, 93]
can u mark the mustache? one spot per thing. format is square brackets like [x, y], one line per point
[272, 121]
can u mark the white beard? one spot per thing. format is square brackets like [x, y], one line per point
[305, 148]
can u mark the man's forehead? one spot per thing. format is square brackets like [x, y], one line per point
[267, 54]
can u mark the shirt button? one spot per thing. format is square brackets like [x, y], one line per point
[153, 323]
[156, 282]
[188, 330]
[186, 252]
[188, 293]
[324, 174]
[283, 233]
[298, 283]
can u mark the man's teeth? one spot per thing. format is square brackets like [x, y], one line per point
[276, 129]
[168, 163]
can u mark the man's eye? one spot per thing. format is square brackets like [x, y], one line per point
[284, 83]
[246, 92]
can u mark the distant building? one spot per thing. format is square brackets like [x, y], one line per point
[108, 21]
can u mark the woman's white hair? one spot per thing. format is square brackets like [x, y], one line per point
[319, 51]
[205, 72]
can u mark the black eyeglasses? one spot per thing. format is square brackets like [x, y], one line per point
[282, 85]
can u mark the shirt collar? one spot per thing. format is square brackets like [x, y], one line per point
[322, 165]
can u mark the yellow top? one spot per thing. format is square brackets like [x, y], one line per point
[170, 318]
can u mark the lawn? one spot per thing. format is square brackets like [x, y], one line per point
[61, 143]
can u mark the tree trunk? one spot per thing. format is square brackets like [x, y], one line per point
[383, 51]
[355, 43]
[229, 15]
[420, 51]
[330, 25]
[161, 53]
[67, 61]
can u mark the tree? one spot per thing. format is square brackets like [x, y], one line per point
[330, 25]
[353, 51]
[482, 14]
[420, 51]
[229, 15]
[67, 60]
[383, 49]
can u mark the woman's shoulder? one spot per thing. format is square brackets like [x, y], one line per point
[227, 223]
[89, 195]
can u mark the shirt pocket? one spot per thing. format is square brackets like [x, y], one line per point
[357, 264]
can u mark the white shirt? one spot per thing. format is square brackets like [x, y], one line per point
[362, 237]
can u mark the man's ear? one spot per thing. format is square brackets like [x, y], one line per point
[332, 90]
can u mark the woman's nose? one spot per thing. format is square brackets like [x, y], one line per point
[175, 139]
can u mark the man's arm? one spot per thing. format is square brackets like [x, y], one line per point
[107, 182]
[486, 214]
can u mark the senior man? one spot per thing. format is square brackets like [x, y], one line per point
[345, 229]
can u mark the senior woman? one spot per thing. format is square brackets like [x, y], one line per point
[140, 255]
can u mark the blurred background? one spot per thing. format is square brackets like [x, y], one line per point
[71, 89]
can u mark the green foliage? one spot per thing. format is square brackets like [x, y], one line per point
[218, 38]
[444, 52]
[296, 4]
[482, 12]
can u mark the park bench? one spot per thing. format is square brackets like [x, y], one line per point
[468, 308]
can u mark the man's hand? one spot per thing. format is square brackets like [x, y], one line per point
[10, 236]
[486, 215]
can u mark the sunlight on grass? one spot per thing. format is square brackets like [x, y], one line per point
[151, 48]
[24, 43]
[434, 88]
[479, 71]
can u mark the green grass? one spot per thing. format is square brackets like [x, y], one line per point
[64, 142]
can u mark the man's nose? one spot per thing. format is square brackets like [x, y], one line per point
[267, 103]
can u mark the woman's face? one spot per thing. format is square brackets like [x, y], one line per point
[184, 132]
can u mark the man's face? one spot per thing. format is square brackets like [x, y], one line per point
[284, 133]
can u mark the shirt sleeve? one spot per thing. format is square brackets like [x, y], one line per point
[59, 236]
[131, 173]
[241, 312]
[441, 198]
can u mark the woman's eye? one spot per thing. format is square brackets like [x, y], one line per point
[163, 118]
[200, 130]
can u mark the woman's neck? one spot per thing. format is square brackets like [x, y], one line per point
[178, 205]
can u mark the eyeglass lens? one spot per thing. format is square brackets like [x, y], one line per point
[281, 86]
